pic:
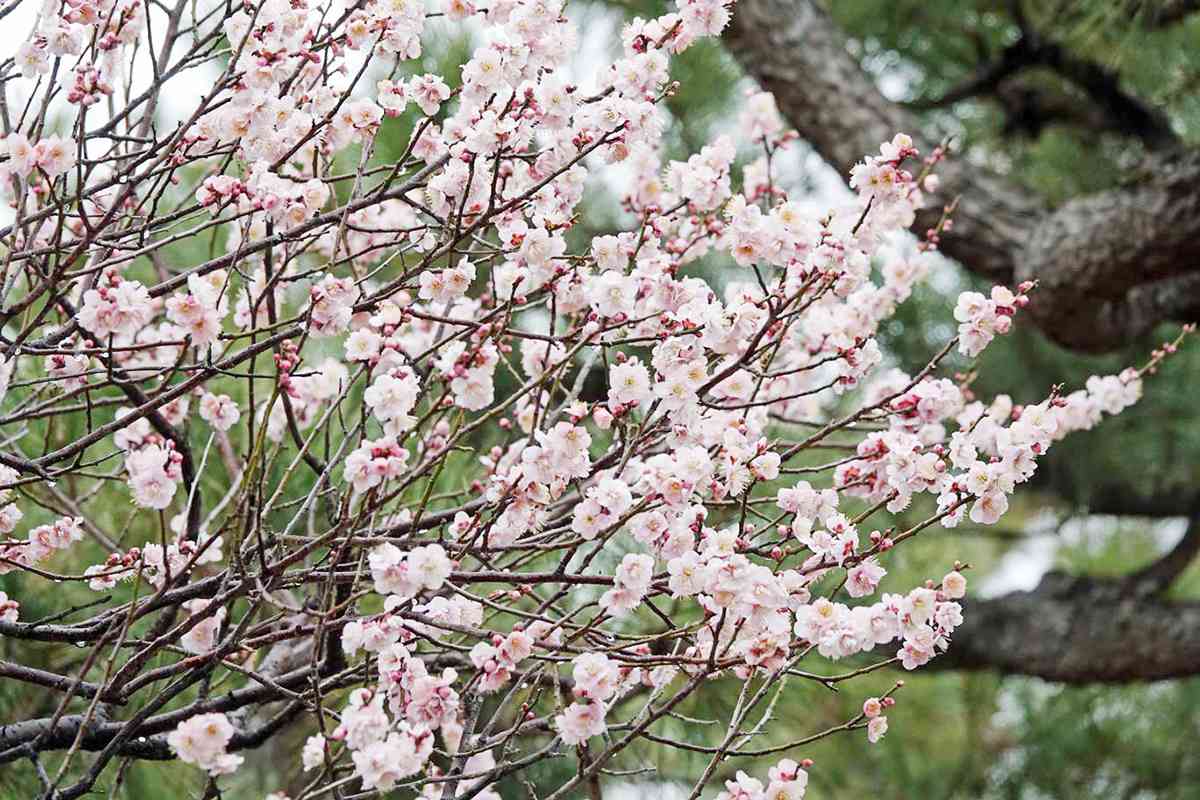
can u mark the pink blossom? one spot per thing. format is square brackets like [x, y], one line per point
[203, 740]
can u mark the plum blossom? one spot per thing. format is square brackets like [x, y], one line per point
[9, 608]
[120, 308]
[219, 411]
[406, 573]
[876, 728]
[154, 475]
[580, 722]
[202, 637]
[203, 740]
[313, 754]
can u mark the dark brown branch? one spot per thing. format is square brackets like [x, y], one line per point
[1083, 630]
[50, 680]
[1111, 108]
[1116, 498]
[1129, 115]
[1078, 630]
[100, 734]
[1164, 13]
[1158, 576]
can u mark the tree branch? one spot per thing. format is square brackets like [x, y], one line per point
[1112, 107]
[1078, 630]
[1164, 13]
[1157, 577]
[1111, 265]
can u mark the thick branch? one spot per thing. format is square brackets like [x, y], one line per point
[1030, 109]
[1111, 107]
[1158, 576]
[1082, 630]
[1115, 497]
[99, 734]
[1112, 265]
[1129, 114]
[1078, 630]
[1164, 13]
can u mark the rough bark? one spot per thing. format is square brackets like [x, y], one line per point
[1110, 265]
[1078, 630]
[1082, 630]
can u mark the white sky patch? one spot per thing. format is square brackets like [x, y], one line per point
[647, 791]
[1024, 565]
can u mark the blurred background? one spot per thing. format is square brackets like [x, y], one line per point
[1104, 505]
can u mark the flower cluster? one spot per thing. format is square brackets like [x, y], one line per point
[200, 311]
[9, 608]
[52, 156]
[10, 513]
[405, 574]
[787, 780]
[43, 541]
[597, 680]
[204, 740]
[382, 754]
[981, 318]
[118, 308]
